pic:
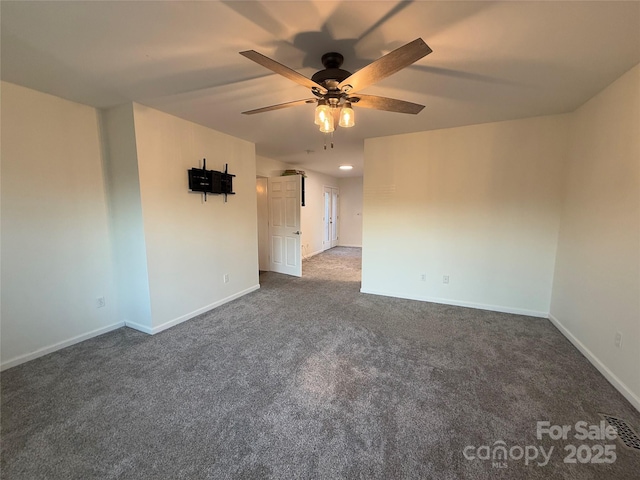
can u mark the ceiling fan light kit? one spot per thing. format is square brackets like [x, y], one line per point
[335, 88]
[347, 116]
[322, 112]
[327, 125]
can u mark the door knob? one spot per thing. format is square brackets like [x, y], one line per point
[297, 233]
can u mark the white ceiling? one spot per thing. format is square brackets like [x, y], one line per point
[491, 61]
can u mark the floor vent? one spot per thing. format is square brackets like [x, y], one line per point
[626, 435]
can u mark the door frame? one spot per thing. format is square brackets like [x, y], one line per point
[330, 216]
[262, 200]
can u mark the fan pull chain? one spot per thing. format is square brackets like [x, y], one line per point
[325, 140]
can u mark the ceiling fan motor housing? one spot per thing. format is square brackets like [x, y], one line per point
[332, 74]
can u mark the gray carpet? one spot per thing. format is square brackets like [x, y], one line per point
[308, 378]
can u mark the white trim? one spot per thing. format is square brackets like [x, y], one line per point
[595, 361]
[59, 346]
[188, 316]
[457, 303]
[139, 327]
[350, 246]
[313, 254]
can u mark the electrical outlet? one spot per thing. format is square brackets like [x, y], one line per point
[617, 340]
[423, 277]
[445, 279]
[100, 302]
[225, 278]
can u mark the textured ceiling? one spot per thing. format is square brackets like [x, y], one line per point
[491, 61]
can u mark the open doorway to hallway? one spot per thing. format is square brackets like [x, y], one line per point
[263, 223]
[331, 218]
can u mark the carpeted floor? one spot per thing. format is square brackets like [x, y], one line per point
[308, 378]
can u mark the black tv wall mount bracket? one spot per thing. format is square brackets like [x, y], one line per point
[211, 181]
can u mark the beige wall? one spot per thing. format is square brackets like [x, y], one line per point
[596, 289]
[350, 211]
[56, 254]
[191, 243]
[480, 204]
[268, 167]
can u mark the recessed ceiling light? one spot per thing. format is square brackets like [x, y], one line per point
[346, 167]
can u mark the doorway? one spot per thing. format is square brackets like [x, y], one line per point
[330, 217]
[279, 220]
[263, 223]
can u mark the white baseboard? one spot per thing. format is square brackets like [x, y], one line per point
[350, 246]
[312, 254]
[457, 303]
[188, 316]
[139, 327]
[595, 361]
[58, 346]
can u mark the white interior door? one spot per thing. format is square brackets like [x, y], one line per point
[334, 217]
[284, 225]
[330, 218]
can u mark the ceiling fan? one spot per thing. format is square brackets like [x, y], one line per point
[335, 89]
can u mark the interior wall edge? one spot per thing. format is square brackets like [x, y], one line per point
[611, 377]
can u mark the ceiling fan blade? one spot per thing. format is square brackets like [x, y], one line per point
[280, 105]
[282, 70]
[385, 66]
[387, 104]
